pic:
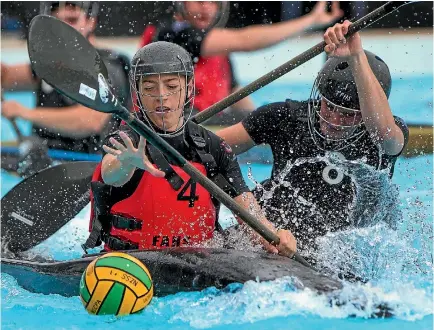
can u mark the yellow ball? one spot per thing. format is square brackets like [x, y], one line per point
[116, 284]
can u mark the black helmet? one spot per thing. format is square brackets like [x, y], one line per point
[336, 82]
[161, 57]
[158, 58]
[91, 7]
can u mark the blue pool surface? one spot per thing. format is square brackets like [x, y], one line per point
[399, 262]
[257, 305]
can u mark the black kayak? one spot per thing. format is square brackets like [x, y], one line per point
[176, 270]
[173, 270]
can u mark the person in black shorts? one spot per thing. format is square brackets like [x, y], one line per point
[140, 199]
[347, 118]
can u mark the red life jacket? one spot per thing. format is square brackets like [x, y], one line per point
[166, 221]
[149, 212]
[212, 75]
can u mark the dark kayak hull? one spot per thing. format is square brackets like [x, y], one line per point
[174, 270]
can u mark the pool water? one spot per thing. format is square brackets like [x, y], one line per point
[399, 263]
[256, 305]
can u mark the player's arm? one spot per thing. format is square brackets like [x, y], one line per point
[255, 37]
[17, 77]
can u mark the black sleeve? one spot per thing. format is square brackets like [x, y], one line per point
[189, 38]
[34, 76]
[135, 138]
[262, 124]
[390, 160]
[227, 163]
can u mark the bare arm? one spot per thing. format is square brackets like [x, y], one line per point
[225, 41]
[250, 38]
[249, 203]
[75, 121]
[374, 105]
[119, 164]
[17, 77]
[287, 244]
[237, 137]
[375, 108]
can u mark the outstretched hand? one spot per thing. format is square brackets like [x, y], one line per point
[129, 155]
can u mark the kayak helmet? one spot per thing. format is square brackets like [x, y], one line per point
[335, 84]
[159, 58]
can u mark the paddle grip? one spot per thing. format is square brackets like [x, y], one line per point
[227, 201]
[294, 63]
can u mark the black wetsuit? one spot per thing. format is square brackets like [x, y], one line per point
[117, 66]
[316, 196]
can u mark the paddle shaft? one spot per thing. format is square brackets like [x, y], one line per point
[210, 186]
[294, 63]
[179, 160]
[85, 68]
[17, 130]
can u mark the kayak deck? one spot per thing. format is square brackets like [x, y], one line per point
[174, 270]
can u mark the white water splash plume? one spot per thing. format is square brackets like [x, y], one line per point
[383, 250]
[376, 198]
[374, 246]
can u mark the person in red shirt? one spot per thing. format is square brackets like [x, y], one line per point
[198, 27]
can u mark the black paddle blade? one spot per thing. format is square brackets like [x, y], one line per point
[43, 203]
[66, 60]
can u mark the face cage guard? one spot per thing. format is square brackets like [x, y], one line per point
[314, 115]
[187, 105]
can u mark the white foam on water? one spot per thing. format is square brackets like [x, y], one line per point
[254, 302]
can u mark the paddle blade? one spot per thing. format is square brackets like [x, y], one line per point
[40, 205]
[66, 60]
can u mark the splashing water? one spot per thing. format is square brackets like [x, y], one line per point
[258, 305]
[383, 247]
